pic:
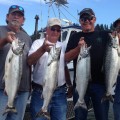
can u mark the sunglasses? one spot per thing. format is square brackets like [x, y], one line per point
[85, 18]
[54, 29]
[17, 7]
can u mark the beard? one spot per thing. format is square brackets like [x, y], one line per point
[15, 23]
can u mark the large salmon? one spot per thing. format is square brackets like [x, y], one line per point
[50, 80]
[111, 66]
[83, 75]
[13, 73]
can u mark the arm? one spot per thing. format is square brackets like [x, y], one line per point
[34, 57]
[72, 54]
[3, 42]
[68, 82]
[8, 39]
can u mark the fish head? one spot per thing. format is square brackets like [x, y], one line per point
[17, 47]
[85, 51]
[58, 51]
[55, 52]
[114, 41]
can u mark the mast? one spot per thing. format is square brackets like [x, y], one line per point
[36, 26]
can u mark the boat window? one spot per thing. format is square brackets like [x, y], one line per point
[64, 35]
[72, 32]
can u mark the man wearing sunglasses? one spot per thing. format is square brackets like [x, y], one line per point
[8, 33]
[116, 104]
[38, 56]
[96, 86]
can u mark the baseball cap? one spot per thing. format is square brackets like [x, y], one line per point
[53, 21]
[16, 8]
[88, 11]
[115, 23]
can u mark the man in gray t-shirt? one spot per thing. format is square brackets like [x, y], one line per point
[15, 19]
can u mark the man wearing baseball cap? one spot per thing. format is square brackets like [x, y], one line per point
[9, 33]
[94, 89]
[38, 56]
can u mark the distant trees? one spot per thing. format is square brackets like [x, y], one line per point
[101, 27]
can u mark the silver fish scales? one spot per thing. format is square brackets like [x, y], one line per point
[13, 73]
[83, 75]
[50, 80]
[111, 66]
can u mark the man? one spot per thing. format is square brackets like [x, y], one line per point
[96, 87]
[116, 104]
[38, 56]
[15, 19]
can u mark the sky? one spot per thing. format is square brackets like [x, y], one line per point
[106, 11]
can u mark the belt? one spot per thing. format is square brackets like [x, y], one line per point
[38, 86]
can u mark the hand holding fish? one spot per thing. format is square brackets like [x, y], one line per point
[81, 42]
[47, 45]
[10, 37]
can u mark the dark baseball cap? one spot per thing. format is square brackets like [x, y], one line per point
[116, 22]
[16, 8]
[88, 11]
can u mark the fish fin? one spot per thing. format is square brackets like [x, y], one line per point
[10, 109]
[107, 97]
[43, 114]
[82, 105]
[10, 58]
[114, 84]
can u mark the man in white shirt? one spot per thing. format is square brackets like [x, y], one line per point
[38, 56]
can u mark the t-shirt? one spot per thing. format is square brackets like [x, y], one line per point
[97, 40]
[25, 80]
[40, 66]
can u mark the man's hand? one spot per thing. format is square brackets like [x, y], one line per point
[81, 42]
[10, 37]
[47, 45]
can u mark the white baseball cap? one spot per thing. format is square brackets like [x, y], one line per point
[53, 21]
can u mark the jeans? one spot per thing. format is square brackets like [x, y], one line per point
[116, 104]
[19, 103]
[95, 92]
[57, 107]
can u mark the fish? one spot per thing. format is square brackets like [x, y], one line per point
[13, 73]
[83, 75]
[50, 80]
[111, 66]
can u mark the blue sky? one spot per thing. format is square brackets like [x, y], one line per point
[106, 11]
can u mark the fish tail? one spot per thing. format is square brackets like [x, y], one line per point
[43, 114]
[10, 109]
[107, 97]
[82, 105]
